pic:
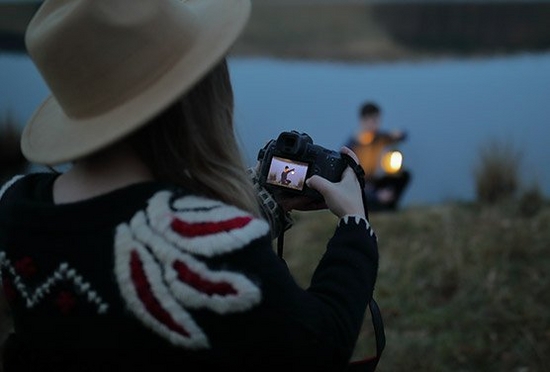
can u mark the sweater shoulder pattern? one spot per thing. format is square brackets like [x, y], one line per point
[161, 264]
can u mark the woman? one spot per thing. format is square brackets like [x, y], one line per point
[151, 250]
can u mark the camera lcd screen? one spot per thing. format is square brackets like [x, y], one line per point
[287, 173]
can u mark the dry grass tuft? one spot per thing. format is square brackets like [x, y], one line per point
[497, 170]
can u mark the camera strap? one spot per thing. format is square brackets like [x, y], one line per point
[368, 364]
[357, 168]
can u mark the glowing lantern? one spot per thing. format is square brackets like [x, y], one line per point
[392, 161]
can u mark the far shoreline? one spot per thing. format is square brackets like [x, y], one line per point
[391, 31]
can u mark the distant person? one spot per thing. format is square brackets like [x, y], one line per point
[284, 175]
[369, 143]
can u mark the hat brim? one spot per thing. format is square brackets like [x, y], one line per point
[51, 137]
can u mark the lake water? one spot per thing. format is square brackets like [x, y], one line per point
[450, 108]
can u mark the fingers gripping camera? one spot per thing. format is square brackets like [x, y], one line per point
[286, 163]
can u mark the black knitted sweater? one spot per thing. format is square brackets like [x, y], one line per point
[151, 277]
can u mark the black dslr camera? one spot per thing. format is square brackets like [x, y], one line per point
[287, 162]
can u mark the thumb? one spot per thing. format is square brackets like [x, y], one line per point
[318, 183]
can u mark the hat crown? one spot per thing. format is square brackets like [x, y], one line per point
[96, 54]
[112, 65]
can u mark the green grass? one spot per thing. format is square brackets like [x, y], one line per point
[461, 287]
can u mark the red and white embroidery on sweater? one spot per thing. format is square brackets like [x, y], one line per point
[159, 267]
[14, 285]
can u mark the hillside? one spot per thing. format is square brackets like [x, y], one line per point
[391, 30]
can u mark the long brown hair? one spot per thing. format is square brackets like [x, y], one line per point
[192, 143]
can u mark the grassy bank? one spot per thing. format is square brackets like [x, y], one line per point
[461, 287]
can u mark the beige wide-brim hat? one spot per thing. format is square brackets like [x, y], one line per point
[112, 65]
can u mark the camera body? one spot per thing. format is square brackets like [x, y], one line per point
[286, 163]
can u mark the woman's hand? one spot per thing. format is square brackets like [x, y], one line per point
[344, 197]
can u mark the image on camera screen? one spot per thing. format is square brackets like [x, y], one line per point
[287, 173]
